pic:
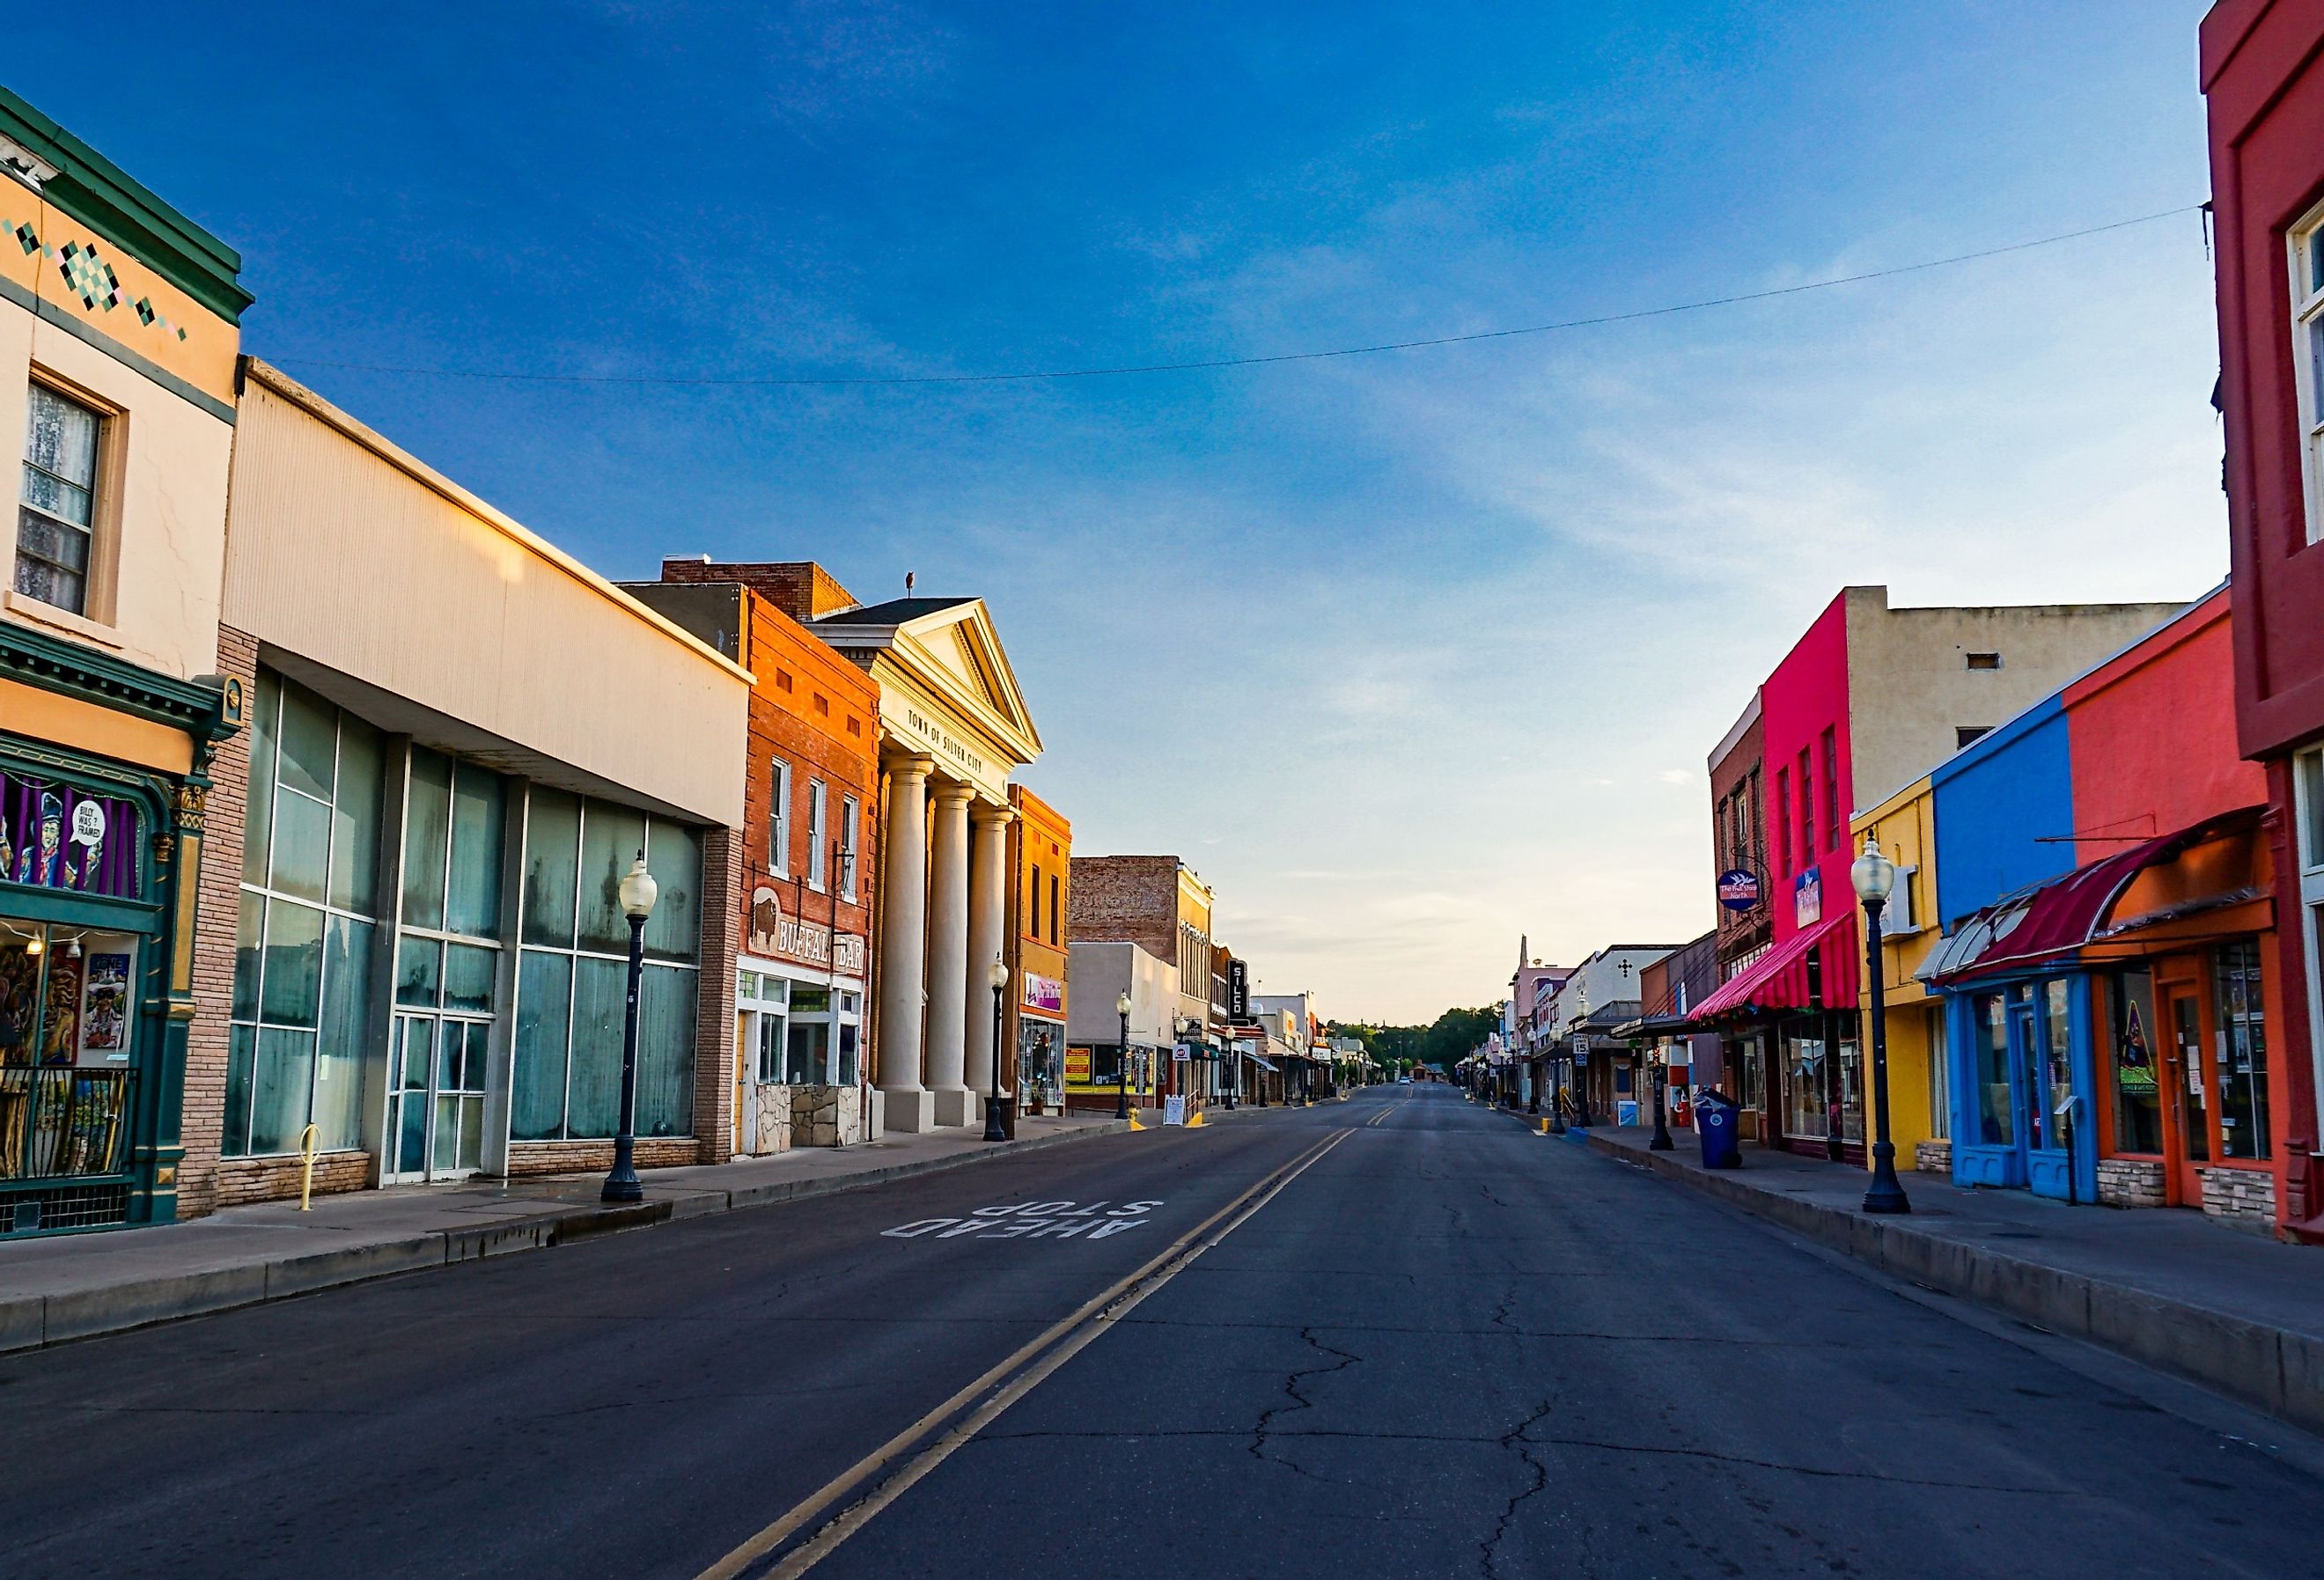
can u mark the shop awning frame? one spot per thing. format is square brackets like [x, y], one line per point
[2052, 922]
[1778, 980]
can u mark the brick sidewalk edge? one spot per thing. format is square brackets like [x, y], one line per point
[35, 1321]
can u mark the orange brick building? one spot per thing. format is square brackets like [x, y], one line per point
[801, 1056]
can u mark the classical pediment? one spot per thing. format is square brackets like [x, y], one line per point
[949, 650]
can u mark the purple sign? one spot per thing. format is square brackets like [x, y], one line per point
[53, 835]
[1739, 890]
[1046, 993]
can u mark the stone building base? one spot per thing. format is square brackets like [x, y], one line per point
[909, 1113]
[827, 1116]
[587, 1157]
[2131, 1182]
[1933, 1158]
[773, 1132]
[2245, 1198]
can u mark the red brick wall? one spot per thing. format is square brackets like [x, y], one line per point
[241, 1181]
[800, 589]
[714, 1026]
[1125, 898]
[527, 1157]
[203, 1121]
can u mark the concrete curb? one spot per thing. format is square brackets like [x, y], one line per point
[36, 1321]
[2271, 1369]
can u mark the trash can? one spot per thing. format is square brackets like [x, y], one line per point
[1715, 1122]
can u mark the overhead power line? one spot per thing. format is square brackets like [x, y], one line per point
[1124, 370]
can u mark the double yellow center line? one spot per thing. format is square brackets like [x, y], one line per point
[961, 1417]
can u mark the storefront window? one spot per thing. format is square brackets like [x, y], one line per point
[2057, 1059]
[68, 1001]
[766, 1001]
[1996, 1116]
[1851, 1090]
[2130, 1043]
[2242, 1051]
[1804, 1111]
[808, 1061]
[572, 975]
[301, 1011]
[1941, 1102]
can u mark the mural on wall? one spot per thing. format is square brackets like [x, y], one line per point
[53, 835]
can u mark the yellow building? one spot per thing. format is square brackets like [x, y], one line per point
[1905, 825]
[1040, 851]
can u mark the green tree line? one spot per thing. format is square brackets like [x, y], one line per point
[1450, 1037]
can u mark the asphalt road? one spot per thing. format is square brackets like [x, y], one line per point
[1445, 1347]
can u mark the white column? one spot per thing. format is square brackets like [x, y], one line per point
[948, 954]
[906, 1104]
[988, 912]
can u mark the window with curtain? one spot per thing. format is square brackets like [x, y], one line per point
[850, 817]
[55, 515]
[301, 1007]
[818, 800]
[572, 974]
[779, 817]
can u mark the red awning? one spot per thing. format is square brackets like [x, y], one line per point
[1778, 980]
[2064, 914]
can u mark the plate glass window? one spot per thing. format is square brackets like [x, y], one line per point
[57, 509]
[302, 985]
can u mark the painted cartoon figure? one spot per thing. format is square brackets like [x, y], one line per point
[42, 859]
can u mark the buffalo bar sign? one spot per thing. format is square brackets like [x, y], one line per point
[782, 937]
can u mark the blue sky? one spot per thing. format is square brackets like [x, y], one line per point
[1405, 653]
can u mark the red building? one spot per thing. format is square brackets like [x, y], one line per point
[2265, 88]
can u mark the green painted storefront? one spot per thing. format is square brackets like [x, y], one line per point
[98, 860]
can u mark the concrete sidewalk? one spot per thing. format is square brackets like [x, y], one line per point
[72, 1286]
[2228, 1308]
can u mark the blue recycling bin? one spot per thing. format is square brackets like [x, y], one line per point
[1716, 1122]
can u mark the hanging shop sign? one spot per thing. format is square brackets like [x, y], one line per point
[56, 835]
[1807, 898]
[1739, 890]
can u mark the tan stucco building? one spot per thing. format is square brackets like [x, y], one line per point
[460, 737]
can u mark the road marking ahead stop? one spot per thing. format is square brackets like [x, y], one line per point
[1042, 1220]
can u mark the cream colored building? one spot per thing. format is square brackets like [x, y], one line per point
[118, 333]
[460, 737]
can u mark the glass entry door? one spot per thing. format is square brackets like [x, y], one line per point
[436, 1098]
[2189, 1099]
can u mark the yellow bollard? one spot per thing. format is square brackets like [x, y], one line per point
[307, 1166]
[1195, 1120]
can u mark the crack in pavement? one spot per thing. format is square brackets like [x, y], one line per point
[1341, 1361]
[1459, 1439]
[1488, 1550]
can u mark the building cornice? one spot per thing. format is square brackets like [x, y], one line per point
[93, 189]
[52, 663]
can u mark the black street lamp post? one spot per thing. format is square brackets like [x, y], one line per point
[996, 1106]
[1874, 876]
[1662, 1142]
[638, 891]
[1121, 1098]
